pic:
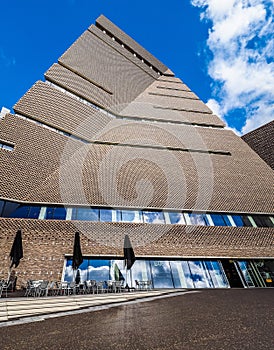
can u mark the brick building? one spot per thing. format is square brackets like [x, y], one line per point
[110, 143]
[261, 140]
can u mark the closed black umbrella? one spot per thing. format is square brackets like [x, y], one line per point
[129, 255]
[77, 258]
[16, 252]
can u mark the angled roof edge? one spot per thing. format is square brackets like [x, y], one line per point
[105, 24]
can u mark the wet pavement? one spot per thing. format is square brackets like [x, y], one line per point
[205, 319]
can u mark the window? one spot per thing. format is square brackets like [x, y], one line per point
[1, 207]
[153, 217]
[220, 220]
[85, 214]
[177, 218]
[6, 147]
[198, 219]
[106, 215]
[131, 216]
[262, 221]
[241, 220]
[56, 213]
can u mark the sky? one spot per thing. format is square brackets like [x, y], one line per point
[222, 49]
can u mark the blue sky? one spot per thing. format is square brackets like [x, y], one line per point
[221, 49]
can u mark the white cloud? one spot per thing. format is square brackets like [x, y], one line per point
[242, 67]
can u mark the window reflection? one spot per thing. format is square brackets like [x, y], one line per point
[177, 218]
[153, 217]
[106, 215]
[161, 274]
[198, 219]
[200, 275]
[88, 214]
[131, 216]
[220, 220]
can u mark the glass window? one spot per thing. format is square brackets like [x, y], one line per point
[140, 271]
[69, 274]
[99, 270]
[1, 207]
[181, 274]
[85, 214]
[217, 274]
[34, 212]
[198, 219]
[118, 271]
[177, 218]
[200, 275]
[241, 220]
[161, 274]
[262, 221]
[131, 216]
[55, 213]
[153, 217]
[106, 215]
[219, 220]
[21, 211]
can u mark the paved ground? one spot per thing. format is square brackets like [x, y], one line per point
[207, 319]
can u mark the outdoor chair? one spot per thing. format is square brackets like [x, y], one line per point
[72, 288]
[118, 286]
[100, 287]
[52, 289]
[30, 289]
[62, 288]
[42, 289]
[90, 286]
[6, 286]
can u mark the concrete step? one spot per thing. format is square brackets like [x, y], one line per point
[27, 306]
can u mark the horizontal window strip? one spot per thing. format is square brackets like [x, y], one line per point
[10, 209]
[6, 146]
[173, 89]
[142, 119]
[170, 81]
[174, 96]
[183, 110]
[129, 49]
[160, 147]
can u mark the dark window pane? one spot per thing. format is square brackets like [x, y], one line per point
[218, 219]
[241, 220]
[246, 221]
[34, 212]
[59, 213]
[49, 213]
[262, 221]
[21, 211]
[1, 207]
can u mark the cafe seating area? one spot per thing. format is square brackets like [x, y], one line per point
[43, 288]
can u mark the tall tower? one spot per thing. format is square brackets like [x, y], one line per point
[113, 143]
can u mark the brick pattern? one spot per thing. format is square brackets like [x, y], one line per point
[79, 86]
[105, 23]
[106, 67]
[139, 177]
[45, 243]
[261, 140]
[52, 107]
